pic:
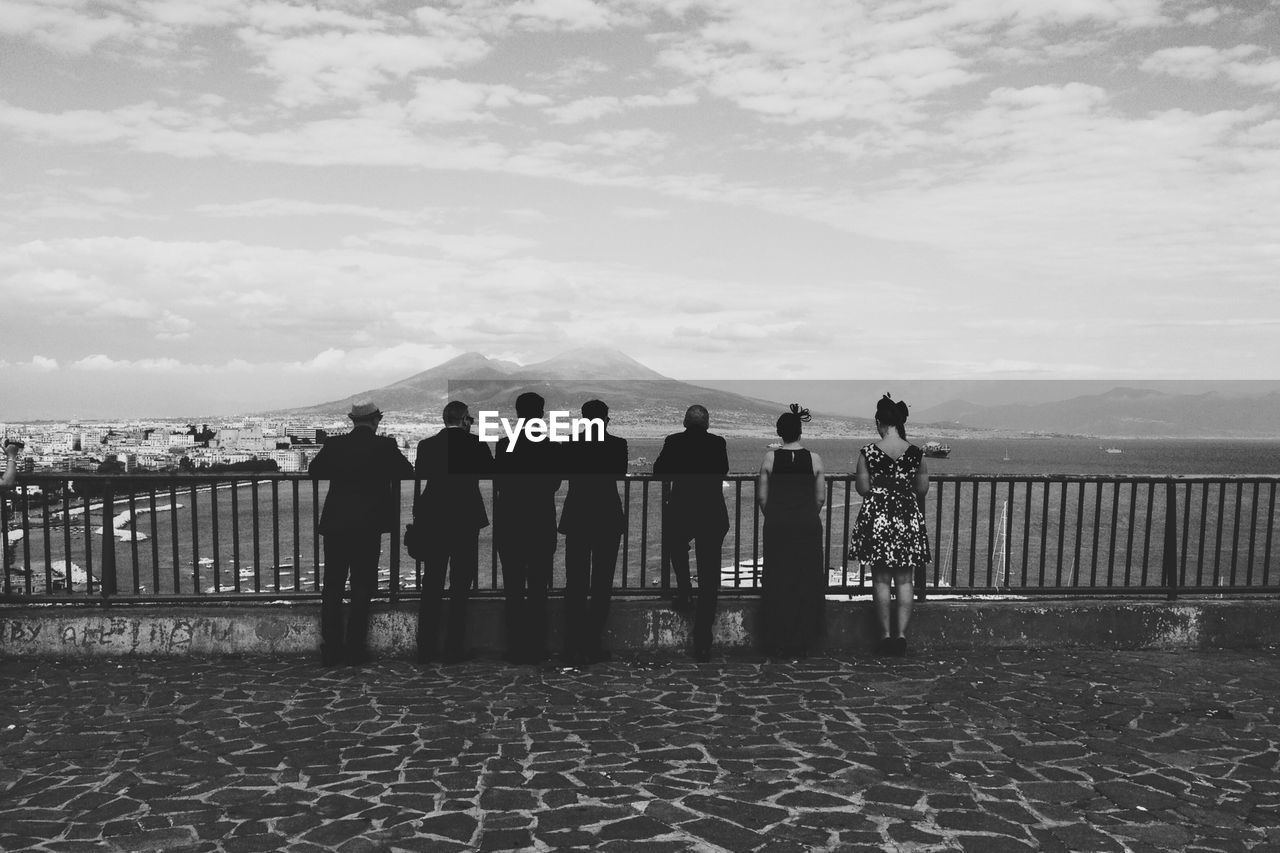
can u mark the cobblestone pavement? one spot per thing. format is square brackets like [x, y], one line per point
[1001, 751]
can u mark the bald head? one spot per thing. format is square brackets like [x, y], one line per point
[696, 417]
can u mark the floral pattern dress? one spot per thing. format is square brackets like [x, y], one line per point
[890, 531]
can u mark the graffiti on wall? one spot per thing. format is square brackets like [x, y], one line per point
[118, 634]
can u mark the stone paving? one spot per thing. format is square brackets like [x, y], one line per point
[1003, 751]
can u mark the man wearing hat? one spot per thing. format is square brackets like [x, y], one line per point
[363, 470]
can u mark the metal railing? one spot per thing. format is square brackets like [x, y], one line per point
[229, 537]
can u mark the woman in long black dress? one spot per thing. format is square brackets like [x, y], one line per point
[889, 535]
[790, 492]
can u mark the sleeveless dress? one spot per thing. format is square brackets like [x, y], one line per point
[793, 581]
[890, 531]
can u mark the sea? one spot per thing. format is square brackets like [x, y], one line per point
[1055, 455]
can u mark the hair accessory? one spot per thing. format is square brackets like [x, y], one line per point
[801, 413]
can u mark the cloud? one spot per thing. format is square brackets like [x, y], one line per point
[1203, 62]
[172, 327]
[599, 106]
[289, 207]
[814, 62]
[1203, 17]
[439, 101]
[336, 65]
[463, 246]
[618, 142]
[573, 72]
[285, 17]
[585, 109]
[641, 212]
[104, 363]
[374, 360]
[61, 28]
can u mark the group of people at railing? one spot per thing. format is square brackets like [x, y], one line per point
[449, 512]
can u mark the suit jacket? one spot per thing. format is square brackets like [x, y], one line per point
[526, 479]
[360, 467]
[452, 462]
[592, 504]
[696, 462]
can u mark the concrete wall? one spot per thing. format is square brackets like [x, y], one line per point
[644, 625]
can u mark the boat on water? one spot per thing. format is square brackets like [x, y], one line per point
[1112, 450]
[936, 450]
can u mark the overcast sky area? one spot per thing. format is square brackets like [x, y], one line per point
[213, 206]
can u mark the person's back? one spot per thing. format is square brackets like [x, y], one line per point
[893, 470]
[889, 535]
[790, 493]
[360, 467]
[452, 463]
[791, 481]
[526, 479]
[695, 461]
[451, 513]
[594, 469]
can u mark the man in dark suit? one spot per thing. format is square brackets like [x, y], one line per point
[592, 523]
[451, 513]
[527, 476]
[363, 470]
[695, 461]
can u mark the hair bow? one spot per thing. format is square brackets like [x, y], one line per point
[801, 413]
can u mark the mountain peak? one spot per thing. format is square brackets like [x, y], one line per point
[1125, 392]
[590, 363]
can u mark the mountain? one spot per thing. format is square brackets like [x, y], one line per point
[589, 363]
[635, 393]
[1125, 412]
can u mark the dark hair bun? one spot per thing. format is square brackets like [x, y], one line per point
[789, 422]
[891, 413]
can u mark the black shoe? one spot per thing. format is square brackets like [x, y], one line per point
[681, 603]
[884, 648]
[899, 647]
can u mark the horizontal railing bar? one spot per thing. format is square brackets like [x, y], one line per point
[266, 477]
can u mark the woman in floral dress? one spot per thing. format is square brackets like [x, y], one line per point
[889, 535]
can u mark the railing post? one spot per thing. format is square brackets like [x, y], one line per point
[665, 573]
[922, 570]
[396, 487]
[1171, 539]
[108, 586]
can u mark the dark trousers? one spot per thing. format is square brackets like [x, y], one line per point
[590, 560]
[527, 559]
[457, 553]
[353, 554]
[706, 546]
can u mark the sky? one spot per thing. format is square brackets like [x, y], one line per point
[217, 206]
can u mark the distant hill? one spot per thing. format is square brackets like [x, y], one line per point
[635, 393]
[1125, 412]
